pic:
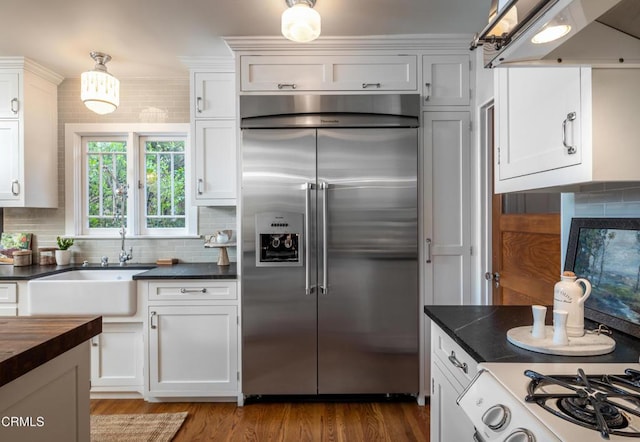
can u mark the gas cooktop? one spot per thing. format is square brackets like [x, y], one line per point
[562, 402]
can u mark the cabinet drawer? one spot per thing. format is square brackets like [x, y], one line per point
[193, 290]
[8, 293]
[452, 356]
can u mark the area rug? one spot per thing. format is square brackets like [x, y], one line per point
[152, 427]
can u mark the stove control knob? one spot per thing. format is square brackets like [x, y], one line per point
[520, 435]
[496, 417]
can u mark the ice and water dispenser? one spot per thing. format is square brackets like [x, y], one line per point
[279, 239]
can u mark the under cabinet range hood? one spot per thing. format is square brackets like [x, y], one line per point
[596, 33]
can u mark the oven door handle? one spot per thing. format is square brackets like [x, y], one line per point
[308, 289]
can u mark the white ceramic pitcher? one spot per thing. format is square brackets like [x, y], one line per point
[568, 295]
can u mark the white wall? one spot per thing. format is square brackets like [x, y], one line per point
[141, 100]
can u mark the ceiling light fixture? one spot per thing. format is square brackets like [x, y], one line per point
[300, 22]
[100, 91]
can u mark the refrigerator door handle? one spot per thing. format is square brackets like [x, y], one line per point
[325, 284]
[308, 289]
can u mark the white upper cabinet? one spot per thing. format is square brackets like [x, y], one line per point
[446, 80]
[214, 95]
[558, 127]
[329, 73]
[28, 134]
[214, 127]
[9, 95]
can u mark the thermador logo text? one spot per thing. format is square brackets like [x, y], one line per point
[22, 421]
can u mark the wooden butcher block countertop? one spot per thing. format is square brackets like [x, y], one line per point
[27, 343]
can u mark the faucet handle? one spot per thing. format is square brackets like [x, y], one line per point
[104, 261]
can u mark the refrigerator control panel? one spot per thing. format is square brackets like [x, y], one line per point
[279, 239]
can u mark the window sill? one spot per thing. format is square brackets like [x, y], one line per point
[111, 237]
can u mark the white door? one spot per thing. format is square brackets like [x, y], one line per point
[214, 95]
[215, 162]
[193, 351]
[445, 80]
[539, 119]
[447, 209]
[448, 422]
[116, 358]
[11, 179]
[9, 94]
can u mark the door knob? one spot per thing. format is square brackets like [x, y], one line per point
[495, 276]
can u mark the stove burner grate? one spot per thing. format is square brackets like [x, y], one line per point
[597, 402]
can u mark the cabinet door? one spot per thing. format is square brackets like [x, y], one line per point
[215, 162]
[389, 73]
[447, 207]
[9, 95]
[193, 351]
[535, 130]
[448, 421]
[214, 95]
[445, 80]
[117, 358]
[11, 179]
[283, 73]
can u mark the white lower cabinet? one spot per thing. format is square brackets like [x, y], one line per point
[117, 359]
[9, 299]
[192, 329]
[452, 369]
[448, 421]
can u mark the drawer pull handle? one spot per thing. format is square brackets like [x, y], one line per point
[368, 85]
[15, 106]
[199, 104]
[183, 290]
[153, 315]
[461, 365]
[287, 85]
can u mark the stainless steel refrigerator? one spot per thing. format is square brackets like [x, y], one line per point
[329, 244]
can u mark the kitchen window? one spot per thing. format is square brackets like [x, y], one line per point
[134, 174]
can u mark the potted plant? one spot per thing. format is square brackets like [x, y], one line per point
[63, 254]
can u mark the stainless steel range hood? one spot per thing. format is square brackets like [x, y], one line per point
[602, 33]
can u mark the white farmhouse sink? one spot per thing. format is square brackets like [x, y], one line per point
[108, 292]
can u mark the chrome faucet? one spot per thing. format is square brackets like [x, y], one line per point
[120, 191]
[124, 256]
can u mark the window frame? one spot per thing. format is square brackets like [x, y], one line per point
[75, 178]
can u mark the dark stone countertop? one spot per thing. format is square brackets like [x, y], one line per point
[27, 343]
[482, 332]
[191, 271]
[176, 271]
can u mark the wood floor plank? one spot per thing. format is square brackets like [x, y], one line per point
[287, 421]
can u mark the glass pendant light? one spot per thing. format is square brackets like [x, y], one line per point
[300, 22]
[100, 91]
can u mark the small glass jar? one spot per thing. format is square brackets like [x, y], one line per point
[47, 256]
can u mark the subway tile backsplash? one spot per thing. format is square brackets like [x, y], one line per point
[612, 200]
[145, 100]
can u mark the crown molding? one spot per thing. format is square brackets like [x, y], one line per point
[353, 43]
[31, 66]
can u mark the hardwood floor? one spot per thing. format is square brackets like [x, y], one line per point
[288, 421]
